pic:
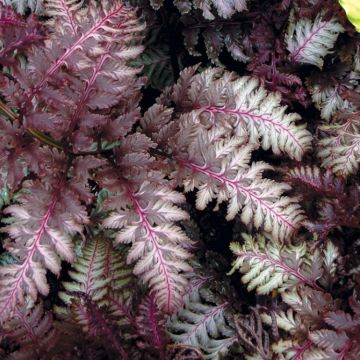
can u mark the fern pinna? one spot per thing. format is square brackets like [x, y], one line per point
[70, 81]
[106, 194]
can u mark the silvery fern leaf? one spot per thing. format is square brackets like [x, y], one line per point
[308, 303]
[203, 324]
[309, 42]
[316, 311]
[340, 147]
[220, 169]
[36, 6]
[328, 91]
[219, 121]
[225, 8]
[328, 100]
[268, 265]
[64, 10]
[286, 349]
[243, 106]
[145, 218]
[286, 320]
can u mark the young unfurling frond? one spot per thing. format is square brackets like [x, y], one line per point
[309, 42]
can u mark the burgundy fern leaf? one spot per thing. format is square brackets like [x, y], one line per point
[32, 329]
[151, 325]
[17, 34]
[39, 241]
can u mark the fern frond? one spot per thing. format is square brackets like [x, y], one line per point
[100, 274]
[203, 325]
[308, 303]
[287, 349]
[341, 320]
[221, 120]
[268, 265]
[328, 100]
[249, 105]
[220, 169]
[146, 219]
[315, 310]
[101, 327]
[40, 241]
[36, 6]
[156, 63]
[309, 42]
[17, 35]
[224, 8]
[242, 105]
[340, 148]
[227, 36]
[330, 340]
[316, 179]
[286, 320]
[93, 271]
[110, 22]
[64, 10]
[253, 336]
[32, 329]
[151, 325]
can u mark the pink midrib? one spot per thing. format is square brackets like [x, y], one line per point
[90, 268]
[300, 350]
[303, 178]
[276, 263]
[239, 113]
[207, 316]
[235, 185]
[302, 47]
[24, 266]
[150, 233]
[353, 148]
[71, 21]
[27, 326]
[75, 46]
[89, 87]
[153, 321]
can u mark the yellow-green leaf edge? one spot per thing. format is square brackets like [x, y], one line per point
[352, 9]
